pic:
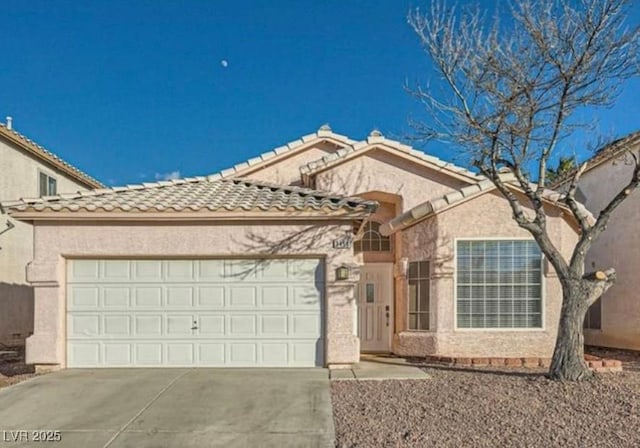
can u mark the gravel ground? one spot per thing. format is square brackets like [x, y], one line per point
[12, 366]
[487, 407]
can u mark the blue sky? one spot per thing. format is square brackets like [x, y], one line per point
[132, 90]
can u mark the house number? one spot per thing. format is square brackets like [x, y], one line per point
[343, 243]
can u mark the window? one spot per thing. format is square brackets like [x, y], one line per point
[372, 240]
[593, 319]
[499, 284]
[48, 185]
[418, 280]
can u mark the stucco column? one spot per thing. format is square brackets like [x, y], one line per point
[46, 346]
[343, 346]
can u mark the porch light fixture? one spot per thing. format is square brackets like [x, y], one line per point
[403, 266]
[342, 273]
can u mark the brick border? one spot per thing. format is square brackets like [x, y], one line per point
[596, 364]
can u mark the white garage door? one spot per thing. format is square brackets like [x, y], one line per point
[215, 313]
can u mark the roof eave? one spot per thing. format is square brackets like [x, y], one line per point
[76, 175]
[309, 170]
[208, 215]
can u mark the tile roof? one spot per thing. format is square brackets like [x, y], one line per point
[324, 132]
[607, 152]
[46, 155]
[434, 206]
[196, 194]
[377, 138]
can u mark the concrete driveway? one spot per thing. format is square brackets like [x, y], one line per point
[118, 408]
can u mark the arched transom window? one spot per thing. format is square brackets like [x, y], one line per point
[372, 240]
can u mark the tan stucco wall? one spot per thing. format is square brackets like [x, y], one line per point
[285, 170]
[54, 244]
[488, 216]
[617, 247]
[378, 170]
[19, 177]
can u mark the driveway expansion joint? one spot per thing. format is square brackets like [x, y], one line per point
[144, 408]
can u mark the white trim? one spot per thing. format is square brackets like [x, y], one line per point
[388, 267]
[543, 288]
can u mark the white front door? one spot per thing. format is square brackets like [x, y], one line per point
[375, 307]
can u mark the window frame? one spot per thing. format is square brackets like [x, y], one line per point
[359, 242]
[543, 288]
[428, 278]
[49, 178]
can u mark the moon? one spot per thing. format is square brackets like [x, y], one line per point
[224, 63]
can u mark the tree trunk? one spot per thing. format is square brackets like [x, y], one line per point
[568, 362]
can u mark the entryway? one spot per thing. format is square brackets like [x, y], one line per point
[375, 307]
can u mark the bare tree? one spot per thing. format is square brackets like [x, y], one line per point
[510, 88]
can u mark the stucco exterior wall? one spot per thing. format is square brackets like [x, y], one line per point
[617, 247]
[56, 243]
[488, 216]
[378, 170]
[286, 170]
[19, 177]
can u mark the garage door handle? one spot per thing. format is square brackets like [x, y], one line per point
[195, 325]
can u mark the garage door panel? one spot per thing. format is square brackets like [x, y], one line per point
[211, 354]
[242, 325]
[211, 325]
[84, 271]
[148, 325]
[184, 313]
[243, 354]
[117, 325]
[275, 353]
[117, 354]
[211, 297]
[274, 297]
[148, 354]
[84, 325]
[211, 270]
[306, 297]
[148, 297]
[179, 296]
[179, 325]
[242, 296]
[84, 297]
[240, 270]
[85, 354]
[116, 270]
[116, 297]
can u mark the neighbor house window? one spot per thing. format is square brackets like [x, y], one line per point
[48, 185]
[499, 284]
[372, 240]
[418, 279]
[593, 319]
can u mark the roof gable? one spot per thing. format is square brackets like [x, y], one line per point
[47, 156]
[602, 155]
[443, 203]
[253, 165]
[376, 141]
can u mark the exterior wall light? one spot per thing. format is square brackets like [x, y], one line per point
[403, 267]
[342, 273]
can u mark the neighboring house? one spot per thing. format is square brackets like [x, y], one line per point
[254, 266]
[614, 320]
[26, 170]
